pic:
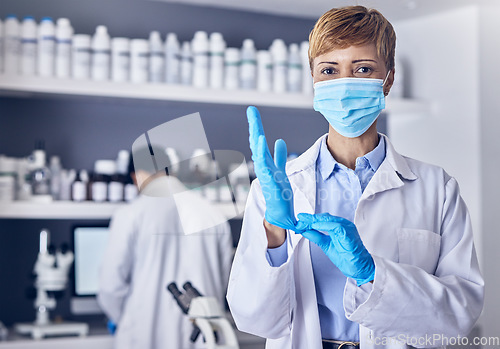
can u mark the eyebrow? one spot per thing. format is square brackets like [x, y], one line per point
[355, 61]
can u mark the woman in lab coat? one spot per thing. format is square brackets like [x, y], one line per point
[392, 263]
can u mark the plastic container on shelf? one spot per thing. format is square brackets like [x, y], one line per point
[46, 47]
[172, 59]
[294, 82]
[8, 176]
[200, 49]
[248, 65]
[29, 41]
[12, 34]
[264, 71]
[120, 59]
[156, 58]
[81, 56]
[103, 170]
[186, 64]
[101, 54]
[139, 60]
[307, 81]
[217, 48]
[55, 180]
[64, 37]
[231, 68]
[279, 56]
[79, 187]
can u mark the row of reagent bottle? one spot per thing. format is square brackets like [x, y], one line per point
[52, 49]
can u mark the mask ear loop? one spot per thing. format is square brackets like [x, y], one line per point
[385, 80]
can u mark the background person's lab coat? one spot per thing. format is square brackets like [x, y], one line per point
[146, 251]
[412, 220]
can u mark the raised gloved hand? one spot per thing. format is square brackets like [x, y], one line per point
[342, 244]
[271, 174]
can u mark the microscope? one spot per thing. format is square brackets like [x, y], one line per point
[51, 270]
[207, 317]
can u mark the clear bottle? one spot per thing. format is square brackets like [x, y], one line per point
[101, 54]
[64, 40]
[307, 81]
[231, 68]
[40, 175]
[55, 182]
[217, 48]
[12, 42]
[186, 64]
[139, 60]
[294, 69]
[279, 55]
[46, 47]
[200, 59]
[172, 59]
[79, 187]
[81, 56]
[248, 66]
[120, 59]
[156, 58]
[264, 71]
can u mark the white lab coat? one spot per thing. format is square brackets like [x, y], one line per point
[412, 220]
[146, 251]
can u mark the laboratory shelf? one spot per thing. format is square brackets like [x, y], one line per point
[27, 86]
[78, 210]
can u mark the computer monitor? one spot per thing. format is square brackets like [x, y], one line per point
[89, 244]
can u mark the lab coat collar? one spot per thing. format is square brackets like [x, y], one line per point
[397, 161]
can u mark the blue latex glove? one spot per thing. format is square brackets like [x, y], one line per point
[342, 244]
[271, 174]
[111, 327]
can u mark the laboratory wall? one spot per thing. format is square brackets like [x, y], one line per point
[82, 130]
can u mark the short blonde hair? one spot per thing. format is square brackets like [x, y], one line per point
[347, 26]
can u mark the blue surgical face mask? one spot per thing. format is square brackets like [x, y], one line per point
[351, 105]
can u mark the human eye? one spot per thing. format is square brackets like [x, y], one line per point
[328, 71]
[363, 70]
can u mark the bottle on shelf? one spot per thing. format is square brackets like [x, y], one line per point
[217, 48]
[55, 181]
[101, 54]
[307, 81]
[248, 65]
[8, 174]
[139, 60]
[119, 179]
[11, 45]
[81, 56]
[156, 58]
[46, 47]
[172, 59]
[186, 64]
[294, 69]
[79, 186]
[40, 175]
[264, 71]
[67, 179]
[279, 56]
[120, 59]
[29, 41]
[200, 48]
[103, 170]
[231, 68]
[64, 37]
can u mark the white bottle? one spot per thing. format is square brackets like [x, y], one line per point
[81, 56]
[11, 45]
[248, 66]
[264, 71]
[1, 46]
[231, 68]
[172, 59]
[156, 58]
[79, 187]
[200, 59]
[139, 60]
[120, 59]
[186, 64]
[279, 55]
[101, 54]
[46, 47]
[217, 48]
[64, 37]
[29, 40]
[294, 69]
[307, 81]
